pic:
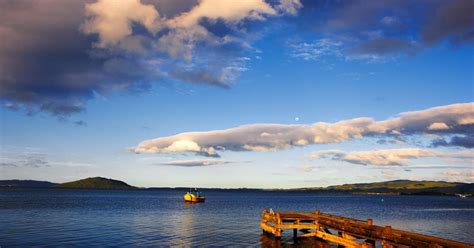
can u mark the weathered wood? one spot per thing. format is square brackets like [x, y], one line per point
[350, 230]
[335, 239]
[300, 226]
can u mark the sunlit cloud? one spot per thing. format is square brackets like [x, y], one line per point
[265, 137]
[112, 20]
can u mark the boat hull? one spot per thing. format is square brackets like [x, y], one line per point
[193, 198]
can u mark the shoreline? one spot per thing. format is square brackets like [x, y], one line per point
[321, 192]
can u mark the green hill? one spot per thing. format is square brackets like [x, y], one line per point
[400, 187]
[95, 183]
[397, 185]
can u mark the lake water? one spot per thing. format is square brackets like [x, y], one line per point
[161, 218]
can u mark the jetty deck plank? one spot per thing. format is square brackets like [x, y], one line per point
[347, 231]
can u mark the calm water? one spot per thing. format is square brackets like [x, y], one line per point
[160, 218]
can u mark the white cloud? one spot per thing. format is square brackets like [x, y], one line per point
[401, 156]
[230, 11]
[112, 21]
[264, 137]
[454, 116]
[438, 126]
[182, 146]
[186, 29]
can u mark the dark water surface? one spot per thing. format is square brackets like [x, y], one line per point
[161, 218]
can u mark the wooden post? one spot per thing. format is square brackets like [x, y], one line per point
[370, 243]
[386, 244]
[277, 226]
[295, 233]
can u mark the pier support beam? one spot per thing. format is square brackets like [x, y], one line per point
[369, 243]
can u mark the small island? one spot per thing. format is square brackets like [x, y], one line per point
[95, 183]
[87, 183]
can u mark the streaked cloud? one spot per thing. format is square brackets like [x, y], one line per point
[306, 168]
[376, 50]
[265, 137]
[400, 156]
[440, 167]
[316, 50]
[195, 162]
[30, 159]
[458, 175]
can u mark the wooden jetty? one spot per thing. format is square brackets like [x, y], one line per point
[346, 231]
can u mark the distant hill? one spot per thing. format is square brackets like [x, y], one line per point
[95, 183]
[400, 187]
[397, 185]
[25, 184]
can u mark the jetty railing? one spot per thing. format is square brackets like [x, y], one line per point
[347, 232]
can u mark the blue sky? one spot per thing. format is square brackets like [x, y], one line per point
[90, 108]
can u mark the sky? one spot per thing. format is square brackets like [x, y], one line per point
[231, 94]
